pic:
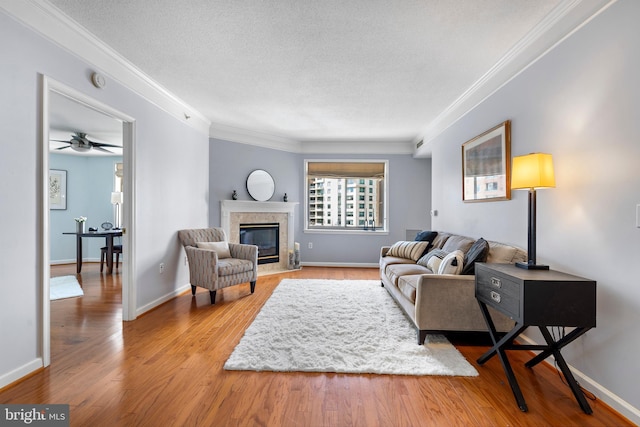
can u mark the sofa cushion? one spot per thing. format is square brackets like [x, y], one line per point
[505, 254]
[221, 248]
[388, 260]
[440, 240]
[455, 243]
[452, 263]
[394, 271]
[477, 253]
[406, 249]
[407, 286]
[429, 257]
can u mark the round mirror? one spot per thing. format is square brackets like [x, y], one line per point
[260, 185]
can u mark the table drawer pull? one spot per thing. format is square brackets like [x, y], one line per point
[496, 296]
[496, 282]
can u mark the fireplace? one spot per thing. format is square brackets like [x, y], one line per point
[266, 237]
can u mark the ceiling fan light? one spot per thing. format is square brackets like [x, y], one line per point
[81, 148]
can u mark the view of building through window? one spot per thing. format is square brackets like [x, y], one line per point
[348, 195]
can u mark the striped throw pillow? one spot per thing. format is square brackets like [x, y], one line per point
[407, 249]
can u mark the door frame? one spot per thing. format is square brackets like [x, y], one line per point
[128, 213]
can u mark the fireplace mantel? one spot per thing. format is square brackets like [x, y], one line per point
[228, 207]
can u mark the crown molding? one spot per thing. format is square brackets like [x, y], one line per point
[252, 137]
[274, 142]
[48, 21]
[564, 20]
[382, 146]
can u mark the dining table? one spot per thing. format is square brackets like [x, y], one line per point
[108, 235]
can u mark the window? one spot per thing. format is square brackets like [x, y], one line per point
[349, 181]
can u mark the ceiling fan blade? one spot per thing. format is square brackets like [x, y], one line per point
[60, 140]
[102, 149]
[103, 144]
[62, 148]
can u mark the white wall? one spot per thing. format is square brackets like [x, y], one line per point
[171, 162]
[581, 103]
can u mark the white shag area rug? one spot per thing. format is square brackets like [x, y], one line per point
[344, 326]
[64, 287]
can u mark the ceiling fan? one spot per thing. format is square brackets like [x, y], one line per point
[79, 142]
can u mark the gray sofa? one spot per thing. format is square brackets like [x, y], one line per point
[442, 302]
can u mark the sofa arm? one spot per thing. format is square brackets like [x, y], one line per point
[448, 302]
[203, 267]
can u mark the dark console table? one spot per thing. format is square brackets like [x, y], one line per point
[541, 298]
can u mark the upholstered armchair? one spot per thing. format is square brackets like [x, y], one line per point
[215, 263]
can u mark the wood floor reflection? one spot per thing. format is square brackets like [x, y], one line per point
[165, 368]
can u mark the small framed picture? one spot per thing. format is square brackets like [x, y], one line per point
[486, 165]
[57, 189]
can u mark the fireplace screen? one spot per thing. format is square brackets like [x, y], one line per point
[266, 237]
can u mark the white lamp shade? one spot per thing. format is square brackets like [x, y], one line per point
[116, 198]
[532, 171]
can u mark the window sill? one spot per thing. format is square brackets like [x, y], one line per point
[345, 231]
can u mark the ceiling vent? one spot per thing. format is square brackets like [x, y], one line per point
[419, 144]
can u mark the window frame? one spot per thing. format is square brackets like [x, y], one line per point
[384, 229]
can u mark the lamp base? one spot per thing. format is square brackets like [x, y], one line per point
[531, 266]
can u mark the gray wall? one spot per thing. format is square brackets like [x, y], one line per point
[581, 103]
[172, 178]
[409, 197]
[90, 181]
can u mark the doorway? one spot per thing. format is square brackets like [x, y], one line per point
[52, 89]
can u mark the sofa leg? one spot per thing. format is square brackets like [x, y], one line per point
[193, 290]
[382, 283]
[253, 286]
[212, 294]
[422, 335]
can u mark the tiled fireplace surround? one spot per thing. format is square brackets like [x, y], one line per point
[236, 212]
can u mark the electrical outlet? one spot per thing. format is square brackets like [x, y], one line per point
[310, 245]
[162, 268]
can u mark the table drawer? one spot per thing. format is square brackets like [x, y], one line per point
[499, 283]
[497, 298]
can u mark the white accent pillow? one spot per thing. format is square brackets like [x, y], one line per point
[221, 248]
[434, 263]
[452, 263]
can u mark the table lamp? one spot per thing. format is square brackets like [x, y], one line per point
[117, 199]
[531, 172]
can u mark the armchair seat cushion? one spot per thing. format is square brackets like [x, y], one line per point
[229, 266]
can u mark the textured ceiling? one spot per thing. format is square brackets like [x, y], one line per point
[325, 70]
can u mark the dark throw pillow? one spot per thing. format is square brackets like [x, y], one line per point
[426, 236]
[477, 253]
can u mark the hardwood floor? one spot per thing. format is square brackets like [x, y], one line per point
[165, 368]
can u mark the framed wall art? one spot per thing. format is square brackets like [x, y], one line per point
[486, 165]
[57, 189]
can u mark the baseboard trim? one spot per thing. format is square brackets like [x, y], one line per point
[73, 261]
[614, 401]
[341, 264]
[20, 373]
[167, 297]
